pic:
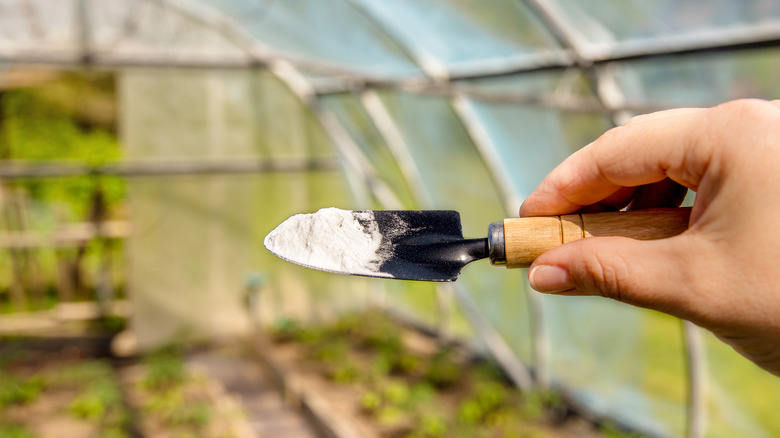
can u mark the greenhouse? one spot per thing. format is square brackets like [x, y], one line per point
[217, 120]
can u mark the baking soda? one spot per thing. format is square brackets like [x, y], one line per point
[331, 239]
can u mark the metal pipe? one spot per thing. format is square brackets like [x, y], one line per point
[754, 36]
[54, 169]
[504, 355]
[697, 380]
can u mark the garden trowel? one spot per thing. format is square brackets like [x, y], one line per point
[429, 245]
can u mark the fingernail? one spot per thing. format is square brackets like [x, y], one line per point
[550, 279]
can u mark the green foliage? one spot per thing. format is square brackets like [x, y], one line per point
[285, 330]
[433, 426]
[344, 373]
[164, 369]
[100, 399]
[113, 324]
[390, 416]
[173, 410]
[415, 395]
[15, 431]
[443, 371]
[331, 351]
[537, 403]
[470, 412]
[491, 395]
[370, 401]
[94, 404]
[83, 373]
[612, 431]
[19, 391]
[88, 406]
[34, 127]
[396, 393]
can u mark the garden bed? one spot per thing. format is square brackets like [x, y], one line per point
[68, 392]
[364, 375]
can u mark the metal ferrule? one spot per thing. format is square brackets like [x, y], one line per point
[496, 250]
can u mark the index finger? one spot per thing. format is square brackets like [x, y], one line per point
[646, 150]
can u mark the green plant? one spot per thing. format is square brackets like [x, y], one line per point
[370, 401]
[396, 393]
[343, 373]
[285, 330]
[612, 431]
[88, 407]
[470, 412]
[81, 373]
[422, 394]
[404, 363]
[331, 351]
[35, 127]
[390, 416]
[19, 390]
[442, 371]
[490, 395]
[174, 410]
[15, 431]
[193, 415]
[164, 369]
[381, 365]
[97, 400]
[432, 426]
[537, 403]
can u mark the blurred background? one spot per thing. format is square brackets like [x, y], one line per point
[148, 146]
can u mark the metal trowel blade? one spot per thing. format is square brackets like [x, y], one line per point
[423, 245]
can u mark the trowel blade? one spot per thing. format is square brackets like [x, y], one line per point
[402, 244]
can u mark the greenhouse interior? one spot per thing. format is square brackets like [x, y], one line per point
[147, 147]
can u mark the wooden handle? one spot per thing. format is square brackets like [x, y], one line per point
[525, 239]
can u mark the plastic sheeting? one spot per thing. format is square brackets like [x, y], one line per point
[198, 240]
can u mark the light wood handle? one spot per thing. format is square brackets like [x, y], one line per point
[527, 238]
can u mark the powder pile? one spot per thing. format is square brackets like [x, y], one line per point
[330, 240]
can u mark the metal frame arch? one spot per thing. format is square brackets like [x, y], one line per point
[613, 98]
[392, 135]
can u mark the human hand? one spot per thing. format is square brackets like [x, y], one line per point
[722, 273]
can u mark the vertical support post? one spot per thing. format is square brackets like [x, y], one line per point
[104, 292]
[64, 278]
[697, 380]
[444, 313]
[17, 289]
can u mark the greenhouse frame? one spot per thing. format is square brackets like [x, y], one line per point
[236, 114]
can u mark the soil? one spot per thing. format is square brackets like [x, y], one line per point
[453, 407]
[47, 412]
[66, 392]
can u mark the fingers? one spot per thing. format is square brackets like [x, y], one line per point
[649, 274]
[663, 194]
[648, 149]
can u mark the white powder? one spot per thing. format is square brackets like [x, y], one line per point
[331, 239]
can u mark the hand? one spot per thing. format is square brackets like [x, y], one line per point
[723, 273]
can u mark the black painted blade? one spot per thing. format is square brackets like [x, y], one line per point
[425, 244]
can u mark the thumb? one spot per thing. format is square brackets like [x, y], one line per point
[649, 274]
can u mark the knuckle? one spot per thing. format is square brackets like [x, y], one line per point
[635, 120]
[747, 108]
[604, 275]
[613, 134]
